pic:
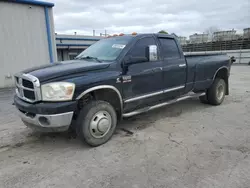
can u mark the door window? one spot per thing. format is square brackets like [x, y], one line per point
[139, 49]
[169, 48]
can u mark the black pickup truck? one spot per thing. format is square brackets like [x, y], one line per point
[114, 78]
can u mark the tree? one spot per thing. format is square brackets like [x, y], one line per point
[163, 32]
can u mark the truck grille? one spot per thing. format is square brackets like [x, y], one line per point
[28, 88]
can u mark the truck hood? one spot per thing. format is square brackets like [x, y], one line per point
[64, 68]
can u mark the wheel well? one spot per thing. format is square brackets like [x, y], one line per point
[106, 94]
[223, 74]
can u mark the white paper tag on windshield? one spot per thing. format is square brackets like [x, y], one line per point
[121, 46]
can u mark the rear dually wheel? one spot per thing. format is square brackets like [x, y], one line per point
[216, 93]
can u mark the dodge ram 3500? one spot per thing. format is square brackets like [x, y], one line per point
[114, 78]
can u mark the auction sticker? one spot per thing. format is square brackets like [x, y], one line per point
[120, 46]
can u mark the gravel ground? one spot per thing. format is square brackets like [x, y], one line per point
[184, 145]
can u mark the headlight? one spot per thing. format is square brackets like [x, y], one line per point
[58, 91]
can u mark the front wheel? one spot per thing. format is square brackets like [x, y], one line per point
[96, 123]
[216, 93]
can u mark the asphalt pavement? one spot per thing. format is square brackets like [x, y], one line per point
[184, 145]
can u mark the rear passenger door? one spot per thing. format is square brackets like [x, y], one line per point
[174, 68]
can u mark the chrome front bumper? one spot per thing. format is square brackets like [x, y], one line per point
[47, 123]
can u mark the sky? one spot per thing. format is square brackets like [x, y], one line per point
[182, 17]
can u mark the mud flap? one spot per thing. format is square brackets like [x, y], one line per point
[227, 86]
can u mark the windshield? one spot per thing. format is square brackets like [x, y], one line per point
[106, 49]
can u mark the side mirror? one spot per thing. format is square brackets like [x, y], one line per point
[232, 59]
[129, 60]
[151, 52]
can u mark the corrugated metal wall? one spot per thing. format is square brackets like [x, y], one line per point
[23, 39]
[71, 45]
[67, 54]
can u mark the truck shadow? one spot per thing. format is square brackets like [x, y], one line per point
[125, 128]
[145, 120]
[47, 140]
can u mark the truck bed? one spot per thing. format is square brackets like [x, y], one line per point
[202, 67]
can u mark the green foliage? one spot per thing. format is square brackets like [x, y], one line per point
[163, 32]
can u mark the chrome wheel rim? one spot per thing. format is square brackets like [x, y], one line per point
[100, 124]
[220, 92]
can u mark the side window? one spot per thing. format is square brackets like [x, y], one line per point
[169, 48]
[139, 49]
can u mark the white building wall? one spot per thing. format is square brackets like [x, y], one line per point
[246, 32]
[198, 38]
[78, 36]
[77, 40]
[225, 35]
[23, 37]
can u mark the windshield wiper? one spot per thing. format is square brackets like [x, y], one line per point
[89, 57]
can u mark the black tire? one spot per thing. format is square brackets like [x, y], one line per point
[213, 96]
[203, 99]
[85, 118]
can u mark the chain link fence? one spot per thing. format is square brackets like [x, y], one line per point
[218, 45]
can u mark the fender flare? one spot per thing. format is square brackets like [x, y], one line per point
[95, 88]
[219, 70]
[227, 84]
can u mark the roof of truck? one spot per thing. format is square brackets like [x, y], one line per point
[164, 35]
[156, 34]
[147, 34]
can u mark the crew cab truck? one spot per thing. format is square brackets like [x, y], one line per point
[114, 78]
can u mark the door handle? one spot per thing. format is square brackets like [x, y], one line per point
[182, 65]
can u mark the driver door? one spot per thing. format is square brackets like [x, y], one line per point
[142, 82]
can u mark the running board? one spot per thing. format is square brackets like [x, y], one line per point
[146, 109]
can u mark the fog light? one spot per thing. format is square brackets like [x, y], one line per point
[43, 121]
